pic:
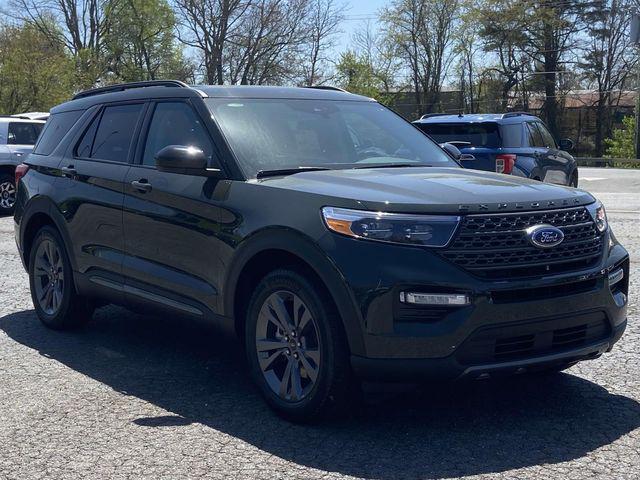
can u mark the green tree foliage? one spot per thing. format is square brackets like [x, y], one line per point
[36, 72]
[357, 75]
[140, 42]
[622, 142]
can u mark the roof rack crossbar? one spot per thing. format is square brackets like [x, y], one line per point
[326, 87]
[120, 87]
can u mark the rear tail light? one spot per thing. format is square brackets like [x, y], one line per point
[505, 163]
[21, 171]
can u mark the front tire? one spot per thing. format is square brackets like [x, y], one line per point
[51, 280]
[573, 182]
[7, 194]
[296, 348]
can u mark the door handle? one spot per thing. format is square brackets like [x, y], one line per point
[69, 171]
[141, 185]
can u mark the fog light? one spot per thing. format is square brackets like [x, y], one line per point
[434, 298]
[615, 277]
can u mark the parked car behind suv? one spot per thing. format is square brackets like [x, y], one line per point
[334, 238]
[17, 137]
[511, 143]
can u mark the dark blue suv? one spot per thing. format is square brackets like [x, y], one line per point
[513, 143]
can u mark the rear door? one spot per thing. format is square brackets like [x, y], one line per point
[560, 164]
[91, 184]
[551, 165]
[170, 220]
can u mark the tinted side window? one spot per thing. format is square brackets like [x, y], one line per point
[175, 123]
[535, 139]
[23, 133]
[474, 134]
[547, 138]
[56, 127]
[511, 135]
[115, 132]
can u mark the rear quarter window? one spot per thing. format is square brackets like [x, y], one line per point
[464, 134]
[511, 135]
[55, 129]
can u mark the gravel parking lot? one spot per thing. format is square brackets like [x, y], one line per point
[135, 396]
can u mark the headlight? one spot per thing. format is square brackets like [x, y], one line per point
[599, 215]
[426, 230]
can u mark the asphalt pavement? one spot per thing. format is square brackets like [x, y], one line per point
[135, 396]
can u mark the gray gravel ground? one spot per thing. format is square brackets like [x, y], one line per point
[133, 396]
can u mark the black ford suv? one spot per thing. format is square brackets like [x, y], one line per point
[336, 239]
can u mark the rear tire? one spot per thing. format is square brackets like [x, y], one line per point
[7, 194]
[296, 348]
[55, 300]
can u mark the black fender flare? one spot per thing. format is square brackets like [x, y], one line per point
[43, 205]
[303, 247]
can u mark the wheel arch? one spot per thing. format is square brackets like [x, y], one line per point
[275, 248]
[7, 169]
[41, 212]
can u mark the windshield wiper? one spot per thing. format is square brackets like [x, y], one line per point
[287, 171]
[391, 165]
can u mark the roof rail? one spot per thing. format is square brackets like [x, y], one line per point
[22, 117]
[121, 87]
[429, 115]
[326, 87]
[515, 114]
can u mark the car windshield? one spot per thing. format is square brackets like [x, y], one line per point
[273, 134]
[467, 134]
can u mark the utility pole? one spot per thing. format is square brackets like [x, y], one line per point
[635, 39]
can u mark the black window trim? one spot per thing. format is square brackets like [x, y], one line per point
[146, 123]
[540, 122]
[532, 125]
[100, 108]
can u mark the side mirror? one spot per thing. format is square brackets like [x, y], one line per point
[566, 144]
[185, 160]
[452, 150]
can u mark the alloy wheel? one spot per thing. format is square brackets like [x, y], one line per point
[288, 346]
[7, 195]
[49, 276]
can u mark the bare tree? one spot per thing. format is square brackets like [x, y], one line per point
[423, 32]
[80, 25]
[325, 17]
[608, 60]
[268, 45]
[207, 25]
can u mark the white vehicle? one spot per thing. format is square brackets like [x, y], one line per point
[18, 135]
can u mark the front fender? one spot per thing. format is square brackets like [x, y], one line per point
[309, 252]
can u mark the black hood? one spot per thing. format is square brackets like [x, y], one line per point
[430, 189]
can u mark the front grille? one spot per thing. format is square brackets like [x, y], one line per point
[526, 340]
[496, 246]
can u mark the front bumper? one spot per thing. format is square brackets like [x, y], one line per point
[434, 344]
[449, 368]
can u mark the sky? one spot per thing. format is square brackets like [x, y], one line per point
[358, 12]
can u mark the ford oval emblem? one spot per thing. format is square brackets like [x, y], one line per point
[545, 236]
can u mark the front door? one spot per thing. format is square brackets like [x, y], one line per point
[170, 220]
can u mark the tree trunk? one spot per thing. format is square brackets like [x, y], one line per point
[550, 68]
